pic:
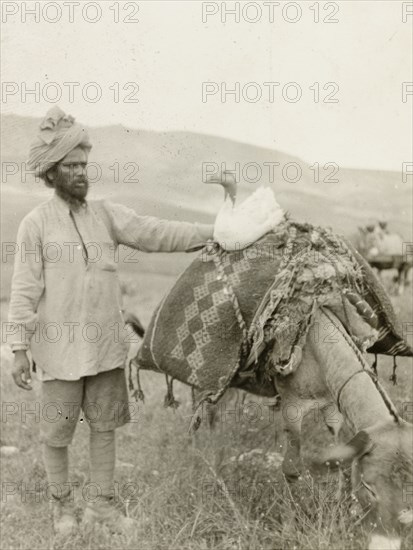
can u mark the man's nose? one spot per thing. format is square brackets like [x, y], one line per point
[79, 170]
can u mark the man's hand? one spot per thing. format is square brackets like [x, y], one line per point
[21, 370]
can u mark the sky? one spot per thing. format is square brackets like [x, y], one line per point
[169, 51]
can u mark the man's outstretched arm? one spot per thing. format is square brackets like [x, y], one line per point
[152, 234]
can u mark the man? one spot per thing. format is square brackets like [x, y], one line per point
[65, 307]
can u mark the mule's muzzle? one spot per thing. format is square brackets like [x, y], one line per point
[406, 516]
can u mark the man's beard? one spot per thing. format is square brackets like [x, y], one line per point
[75, 193]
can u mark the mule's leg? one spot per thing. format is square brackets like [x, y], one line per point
[212, 415]
[292, 465]
[292, 413]
[228, 408]
[334, 421]
[209, 412]
[299, 392]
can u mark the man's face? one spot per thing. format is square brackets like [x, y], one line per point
[69, 176]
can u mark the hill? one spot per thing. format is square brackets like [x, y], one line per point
[161, 173]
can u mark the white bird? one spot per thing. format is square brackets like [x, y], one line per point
[238, 226]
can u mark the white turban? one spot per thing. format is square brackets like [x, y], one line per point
[58, 135]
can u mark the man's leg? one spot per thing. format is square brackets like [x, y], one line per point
[61, 401]
[56, 463]
[102, 461]
[106, 408]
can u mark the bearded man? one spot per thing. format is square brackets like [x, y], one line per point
[65, 290]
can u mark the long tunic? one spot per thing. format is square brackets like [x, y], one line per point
[65, 300]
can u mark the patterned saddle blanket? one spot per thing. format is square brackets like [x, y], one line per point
[196, 335]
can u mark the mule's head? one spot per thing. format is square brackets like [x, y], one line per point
[382, 479]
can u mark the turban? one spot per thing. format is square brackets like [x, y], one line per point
[58, 135]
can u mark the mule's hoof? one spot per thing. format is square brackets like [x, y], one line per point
[292, 478]
[292, 470]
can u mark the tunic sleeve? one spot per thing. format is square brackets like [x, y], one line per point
[151, 234]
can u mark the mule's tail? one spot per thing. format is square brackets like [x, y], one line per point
[133, 321]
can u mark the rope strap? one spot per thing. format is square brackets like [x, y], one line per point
[347, 381]
[387, 401]
[229, 291]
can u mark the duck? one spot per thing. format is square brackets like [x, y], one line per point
[238, 226]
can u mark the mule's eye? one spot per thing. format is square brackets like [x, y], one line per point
[369, 489]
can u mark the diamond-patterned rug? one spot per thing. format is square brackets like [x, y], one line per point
[195, 337]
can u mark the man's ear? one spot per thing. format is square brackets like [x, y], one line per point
[50, 176]
[358, 446]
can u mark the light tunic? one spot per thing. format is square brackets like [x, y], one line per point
[65, 300]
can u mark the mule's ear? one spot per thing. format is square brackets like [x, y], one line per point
[356, 447]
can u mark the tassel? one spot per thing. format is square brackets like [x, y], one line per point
[374, 366]
[137, 392]
[170, 400]
[393, 377]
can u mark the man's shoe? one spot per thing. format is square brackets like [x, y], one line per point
[64, 520]
[103, 511]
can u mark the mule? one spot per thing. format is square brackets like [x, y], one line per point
[333, 373]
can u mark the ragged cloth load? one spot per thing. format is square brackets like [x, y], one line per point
[229, 308]
[390, 340]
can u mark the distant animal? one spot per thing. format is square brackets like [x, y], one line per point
[237, 226]
[383, 251]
